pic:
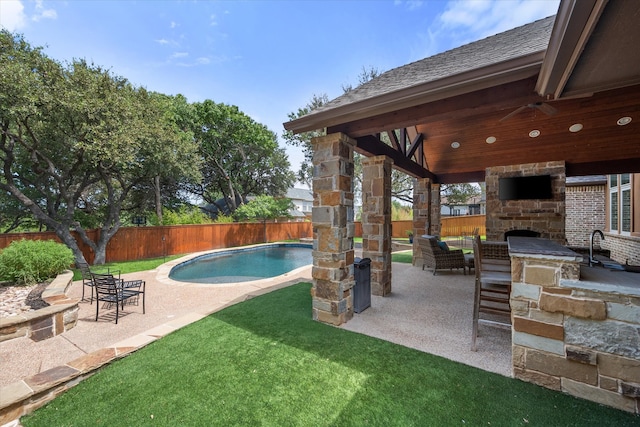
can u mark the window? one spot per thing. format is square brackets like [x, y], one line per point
[620, 204]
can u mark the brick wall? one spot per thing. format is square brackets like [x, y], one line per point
[585, 205]
[623, 248]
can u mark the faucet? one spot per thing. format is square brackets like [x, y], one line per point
[592, 260]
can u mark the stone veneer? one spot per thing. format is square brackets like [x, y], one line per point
[333, 228]
[60, 316]
[376, 221]
[546, 217]
[426, 212]
[578, 337]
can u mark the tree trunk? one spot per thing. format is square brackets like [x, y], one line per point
[158, 199]
[67, 238]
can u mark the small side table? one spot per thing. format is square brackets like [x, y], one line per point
[469, 263]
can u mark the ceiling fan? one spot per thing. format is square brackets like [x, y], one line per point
[545, 108]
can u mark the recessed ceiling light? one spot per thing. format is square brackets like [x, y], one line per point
[577, 127]
[455, 144]
[491, 140]
[534, 133]
[624, 121]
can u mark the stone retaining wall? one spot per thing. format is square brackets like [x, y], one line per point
[60, 316]
[581, 339]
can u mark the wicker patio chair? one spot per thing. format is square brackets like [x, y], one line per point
[436, 258]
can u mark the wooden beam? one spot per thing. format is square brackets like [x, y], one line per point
[370, 145]
[417, 142]
[604, 167]
[394, 139]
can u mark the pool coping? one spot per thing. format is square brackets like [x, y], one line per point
[163, 270]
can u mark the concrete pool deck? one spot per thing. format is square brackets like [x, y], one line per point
[426, 312]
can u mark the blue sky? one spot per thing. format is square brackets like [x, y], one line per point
[266, 57]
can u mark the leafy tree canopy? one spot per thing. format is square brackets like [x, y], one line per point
[458, 194]
[75, 138]
[264, 208]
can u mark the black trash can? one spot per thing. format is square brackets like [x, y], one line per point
[362, 288]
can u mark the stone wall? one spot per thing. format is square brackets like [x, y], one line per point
[333, 229]
[581, 339]
[376, 221]
[60, 316]
[426, 212]
[546, 217]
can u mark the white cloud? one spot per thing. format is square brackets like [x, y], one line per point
[411, 4]
[162, 41]
[12, 16]
[465, 21]
[476, 19]
[213, 20]
[42, 13]
[173, 24]
[180, 55]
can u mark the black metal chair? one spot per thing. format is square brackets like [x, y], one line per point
[115, 291]
[87, 279]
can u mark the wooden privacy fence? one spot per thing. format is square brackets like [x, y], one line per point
[131, 243]
[462, 225]
[449, 226]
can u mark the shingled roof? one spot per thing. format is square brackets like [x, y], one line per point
[521, 41]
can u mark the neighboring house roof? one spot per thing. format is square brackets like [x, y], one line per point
[299, 194]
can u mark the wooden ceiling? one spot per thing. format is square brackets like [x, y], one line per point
[602, 146]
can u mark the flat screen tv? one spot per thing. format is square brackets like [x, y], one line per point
[525, 187]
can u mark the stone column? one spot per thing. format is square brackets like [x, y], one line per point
[333, 228]
[426, 212]
[376, 221]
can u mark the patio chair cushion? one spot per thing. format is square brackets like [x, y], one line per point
[443, 245]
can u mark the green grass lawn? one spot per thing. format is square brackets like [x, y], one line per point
[403, 256]
[128, 266]
[266, 362]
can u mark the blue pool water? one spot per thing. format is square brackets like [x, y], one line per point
[242, 265]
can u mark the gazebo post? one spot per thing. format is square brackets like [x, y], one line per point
[333, 228]
[426, 212]
[376, 221]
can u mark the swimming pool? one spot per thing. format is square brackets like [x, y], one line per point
[243, 264]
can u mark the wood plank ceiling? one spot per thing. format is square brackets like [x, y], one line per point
[601, 146]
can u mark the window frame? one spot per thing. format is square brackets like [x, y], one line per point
[617, 187]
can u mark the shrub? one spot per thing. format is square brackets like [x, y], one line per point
[223, 219]
[184, 215]
[26, 262]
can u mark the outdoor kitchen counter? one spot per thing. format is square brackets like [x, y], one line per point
[543, 247]
[595, 278]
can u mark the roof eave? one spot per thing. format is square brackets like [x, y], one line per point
[574, 24]
[458, 84]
